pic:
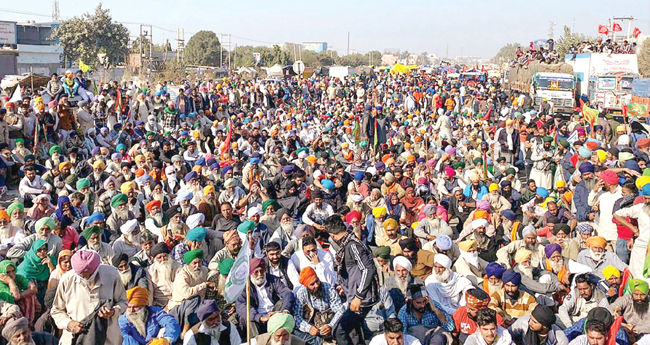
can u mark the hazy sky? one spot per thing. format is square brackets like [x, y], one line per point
[479, 27]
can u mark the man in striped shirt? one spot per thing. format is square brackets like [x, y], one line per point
[510, 302]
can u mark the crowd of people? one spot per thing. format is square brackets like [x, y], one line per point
[377, 209]
[548, 55]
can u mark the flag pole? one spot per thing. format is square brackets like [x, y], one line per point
[248, 303]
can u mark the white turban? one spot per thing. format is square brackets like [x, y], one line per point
[302, 155]
[253, 211]
[528, 229]
[357, 197]
[170, 170]
[443, 260]
[443, 242]
[402, 261]
[479, 223]
[129, 227]
[624, 140]
[40, 197]
[195, 220]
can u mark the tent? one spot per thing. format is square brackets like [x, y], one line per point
[399, 69]
[275, 71]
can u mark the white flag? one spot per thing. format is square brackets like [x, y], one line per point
[17, 96]
[236, 280]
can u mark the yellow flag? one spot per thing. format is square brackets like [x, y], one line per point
[590, 114]
[83, 67]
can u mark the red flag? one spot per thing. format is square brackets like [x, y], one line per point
[616, 28]
[118, 102]
[636, 32]
[625, 111]
[613, 330]
[226, 143]
[483, 70]
[464, 68]
[602, 29]
[582, 104]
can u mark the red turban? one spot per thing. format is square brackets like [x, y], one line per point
[307, 275]
[85, 261]
[153, 203]
[352, 215]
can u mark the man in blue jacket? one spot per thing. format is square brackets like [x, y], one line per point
[586, 184]
[141, 324]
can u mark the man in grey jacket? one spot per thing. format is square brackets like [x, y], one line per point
[537, 327]
[583, 298]
[358, 278]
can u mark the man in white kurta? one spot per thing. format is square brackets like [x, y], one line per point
[81, 290]
[640, 212]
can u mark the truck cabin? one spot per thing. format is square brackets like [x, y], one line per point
[556, 83]
[617, 82]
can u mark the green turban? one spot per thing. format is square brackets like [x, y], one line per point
[510, 171]
[83, 183]
[638, 284]
[90, 231]
[20, 140]
[457, 165]
[54, 148]
[15, 206]
[118, 200]
[564, 143]
[192, 255]
[646, 172]
[49, 221]
[548, 139]
[478, 161]
[225, 265]
[246, 226]
[281, 320]
[150, 133]
[269, 202]
[382, 252]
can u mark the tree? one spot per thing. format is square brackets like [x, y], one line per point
[374, 58]
[570, 39]
[203, 49]
[142, 40]
[86, 36]
[506, 53]
[644, 58]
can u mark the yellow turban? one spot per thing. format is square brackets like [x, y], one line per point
[560, 184]
[391, 223]
[378, 212]
[466, 245]
[127, 186]
[480, 214]
[494, 187]
[596, 241]
[139, 158]
[610, 271]
[99, 164]
[602, 155]
[137, 296]
[65, 164]
[642, 181]
[523, 255]
[208, 189]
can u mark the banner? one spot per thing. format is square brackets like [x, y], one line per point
[83, 67]
[590, 114]
[602, 29]
[236, 280]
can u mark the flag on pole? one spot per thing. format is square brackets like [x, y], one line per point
[636, 32]
[590, 115]
[17, 96]
[226, 143]
[118, 103]
[602, 29]
[83, 67]
[636, 109]
[357, 133]
[236, 280]
[617, 27]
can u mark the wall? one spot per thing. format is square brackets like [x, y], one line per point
[7, 62]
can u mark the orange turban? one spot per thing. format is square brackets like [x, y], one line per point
[4, 215]
[139, 172]
[208, 189]
[596, 241]
[153, 203]
[137, 296]
[307, 275]
[311, 159]
[229, 236]
[480, 214]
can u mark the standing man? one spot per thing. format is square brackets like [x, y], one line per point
[641, 233]
[89, 289]
[358, 277]
[604, 194]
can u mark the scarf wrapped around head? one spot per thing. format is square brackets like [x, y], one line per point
[5, 292]
[32, 267]
[477, 298]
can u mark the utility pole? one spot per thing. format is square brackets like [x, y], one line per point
[140, 44]
[629, 25]
[228, 51]
[235, 58]
[348, 43]
[551, 30]
[56, 15]
[221, 48]
[180, 45]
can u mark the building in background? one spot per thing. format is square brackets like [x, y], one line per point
[8, 48]
[316, 47]
[36, 50]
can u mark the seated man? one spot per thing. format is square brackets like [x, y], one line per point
[162, 272]
[534, 279]
[280, 326]
[211, 329]
[320, 260]
[397, 284]
[470, 264]
[634, 308]
[421, 313]
[43, 228]
[268, 296]
[604, 316]
[233, 244]
[494, 274]
[130, 275]
[142, 324]
[539, 325]
[446, 286]
[511, 302]
[318, 308]
[465, 318]
[506, 254]
[597, 258]
[579, 302]
[489, 332]
[280, 266]
[129, 242]
[421, 260]
[596, 332]
[394, 335]
[391, 238]
[93, 235]
[17, 332]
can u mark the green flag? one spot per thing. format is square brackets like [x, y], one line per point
[236, 280]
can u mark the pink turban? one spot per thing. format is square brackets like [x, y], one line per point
[431, 163]
[85, 261]
[449, 171]
[609, 177]
[483, 205]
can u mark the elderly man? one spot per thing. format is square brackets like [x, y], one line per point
[156, 219]
[92, 235]
[538, 328]
[529, 242]
[88, 291]
[43, 228]
[494, 273]
[211, 329]
[634, 308]
[17, 332]
[446, 286]
[465, 317]
[486, 246]
[120, 214]
[394, 335]
[9, 234]
[597, 258]
[318, 308]
[511, 302]
[431, 227]
[391, 238]
[176, 229]
[233, 244]
[421, 313]
[279, 328]
[189, 289]
[581, 300]
[131, 275]
[397, 284]
[141, 324]
[534, 279]
[162, 272]
[268, 296]
[193, 240]
[470, 264]
[604, 194]
[129, 242]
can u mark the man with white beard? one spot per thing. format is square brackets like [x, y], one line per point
[98, 176]
[158, 194]
[183, 200]
[120, 214]
[9, 234]
[284, 233]
[494, 273]
[43, 228]
[129, 242]
[162, 272]
[155, 218]
[103, 204]
[597, 258]
[470, 264]
[445, 286]
[17, 332]
[509, 140]
[279, 332]
[211, 330]
[134, 202]
[641, 213]
[529, 242]
[92, 234]
[209, 204]
[130, 275]
[141, 324]
[397, 284]
[535, 280]
[175, 230]
[171, 185]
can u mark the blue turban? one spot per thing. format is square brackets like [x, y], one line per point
[328, 184]
[511, 276]
[584, 152]
[206, 308]
[95, 217]
[190, 175]
[646, 189]
[184, 195]
[214, 166]
[196, 234]
[226, 169]
[586, 167]
[255, 160]
[508, 214]
[200, 161]
[632, 165]
[541, 191]
[494, 269]
[120, 147]
[358, 176]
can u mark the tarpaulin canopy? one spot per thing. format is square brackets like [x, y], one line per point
[400, 69]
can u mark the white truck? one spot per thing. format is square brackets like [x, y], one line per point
[551, 82]
[606, 79]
